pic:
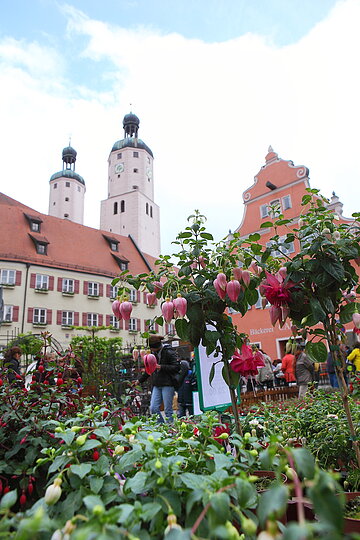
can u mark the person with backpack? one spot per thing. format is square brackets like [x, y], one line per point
[162, 379]
[185, 397]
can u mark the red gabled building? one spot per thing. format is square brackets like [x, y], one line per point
[278, 185]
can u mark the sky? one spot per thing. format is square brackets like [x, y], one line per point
[214, 83]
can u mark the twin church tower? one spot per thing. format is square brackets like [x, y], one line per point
[129, 208]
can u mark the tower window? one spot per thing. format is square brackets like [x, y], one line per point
[122, 206]
[67, 184]
[119, 156]
[147, 208]
[135, 154]
[136, 170]
[55, 186]
[150, 211]
[54, 203]
[66, 198]
[79, 188]
[115, 207]
[66, 215]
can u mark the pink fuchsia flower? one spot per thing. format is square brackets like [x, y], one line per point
[180, 304]
[150, 363]
[151, 299]
[202, 262]
[158, 286]
[142, 353]
[282, 273]
[247, 363]
[356, 320]
[233, 289]
[135, 353]
[276, 291]
[125, 310]
[246, 277]
[167, 310]
[221, 292]
[254, 268]
[221, 279]
[116, 309]
[237, 273]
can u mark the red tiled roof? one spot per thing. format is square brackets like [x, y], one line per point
[71, 246]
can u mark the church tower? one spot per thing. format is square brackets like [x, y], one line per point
[130, 208]
[67, 190]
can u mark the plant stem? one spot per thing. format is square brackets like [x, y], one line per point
[233, 397]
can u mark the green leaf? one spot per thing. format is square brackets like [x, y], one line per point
[266, 224]
[149, 510]
[182, 329]
[184, 235]
[103, 432]
[272, 503]
[317, 311]
[91, 501]
[220, 502]
[137, 483]
[8, 500]
[89, 445]
[67, 436]
[306, 199]
[96, 483]
[206, 236]
[305, 462]
[81, 470]
[317, 352]
[212, 374]
[347, 311]
[254, 237]
[125, 512]
[127, 460]
[334, 268]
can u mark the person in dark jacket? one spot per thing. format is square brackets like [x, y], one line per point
[162, 384]
[185, 397]
[12, 363]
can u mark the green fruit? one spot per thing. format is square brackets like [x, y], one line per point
[76, 429]
[158, 464]
[81, 440]
[160, 481]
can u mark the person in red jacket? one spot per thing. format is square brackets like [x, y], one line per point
[288, 368]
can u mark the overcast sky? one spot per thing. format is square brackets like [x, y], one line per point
[213, 82]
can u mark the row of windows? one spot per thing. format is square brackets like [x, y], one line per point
[148, 208]
[67, 184]
[275, 207]
[135, 155]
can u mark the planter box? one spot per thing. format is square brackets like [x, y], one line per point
[42, 291]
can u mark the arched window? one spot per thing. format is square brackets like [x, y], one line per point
[147, 208]
[150, 211]
[115, 207]
[122, 206]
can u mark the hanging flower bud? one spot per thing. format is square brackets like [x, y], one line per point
[283, 272]
[233, 289]
[150, 363]
[264, 303]
[237, 273]
[142, 353]
[158, 286]
[53, 492]
[135, 353]
[336, 235]
[180, 305]
[221, 292]
[202, 262]
[125, 310]
[275, 314]
[356, 320]
[246, 277]
[254, 268]
[22, 499]
[167, 310]
[221, 279]
[151, 299]
[116, 309]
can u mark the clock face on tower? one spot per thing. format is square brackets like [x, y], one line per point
[149, 172]
[119, 168]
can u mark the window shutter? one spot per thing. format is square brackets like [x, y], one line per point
[51, 283]
[126, 325]
[101, 289]
[146, 326]
[59, 285]
[108, 290]
[32, 281]
[76, 318]
[107, 320]
[86, 287]
[138, 325]
[30, 314]
[49, 316]
[138, 296]
[101, 319]
[121, 325]
[58, 316]
[84, 319]
[77, 286]
[16, 313]
[144, 298]
[18, 277]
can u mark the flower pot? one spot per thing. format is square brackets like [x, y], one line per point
[270, 476]
[291, 510]
[351, 524]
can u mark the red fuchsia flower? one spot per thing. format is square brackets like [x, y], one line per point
[150, 363]
[246, 277]
[237, 273]
[247, 363]
[125, 310]
[221, 279]
[233, 289]
[221, 292]
[219, 430]
[135, 354]
[158, 286]
[151, 299]
[116, 309]
[276, 291]
[167, 310]
[180, 304]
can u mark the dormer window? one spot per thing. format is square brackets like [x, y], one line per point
[123, 264]
[34, 222]
[35, 226]
[113, 246]
[113, 242]
[41, 244]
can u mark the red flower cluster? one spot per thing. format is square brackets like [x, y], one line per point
[276, 290]
[248, 362]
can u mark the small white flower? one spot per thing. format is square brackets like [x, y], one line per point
[332, 416]
[254, 422]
